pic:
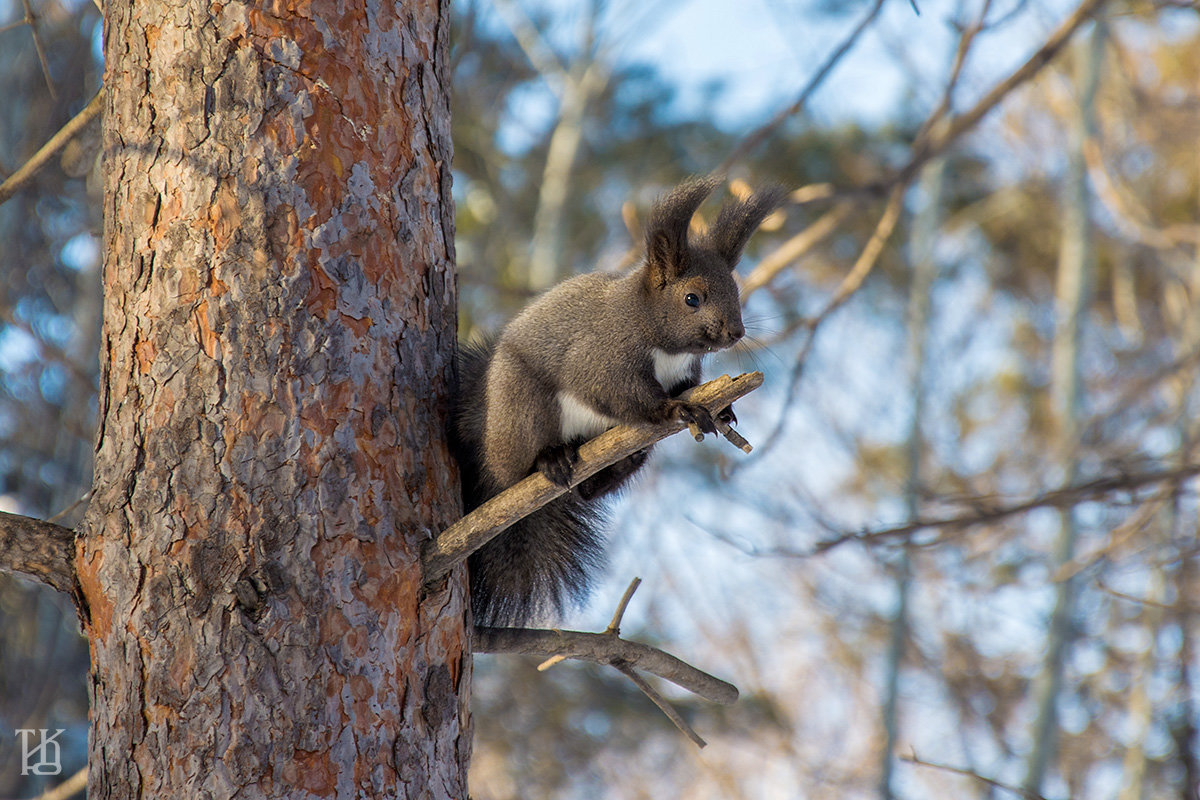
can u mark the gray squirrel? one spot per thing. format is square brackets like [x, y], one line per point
[594, 351]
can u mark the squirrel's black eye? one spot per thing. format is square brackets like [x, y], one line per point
[692, 300]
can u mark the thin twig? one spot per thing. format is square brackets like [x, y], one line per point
[540, 55]
[850, 284]
[1057, 498]
[733, 437]
[31, 19]
[609, 648]
[757, 136]
[795, 248]
[1125, 208]
[960, 60]
[58, 141]
[869, 255]
[935, 139]
[614, 627]
[68, 788]
[957, 126]
[604, 649]
[661, 702]
[82, 499]
[1018, 791]
[1144, 601]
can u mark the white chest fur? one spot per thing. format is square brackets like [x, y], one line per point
[671, 368]
[579, 420]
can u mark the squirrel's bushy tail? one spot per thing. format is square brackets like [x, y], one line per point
[544, 562]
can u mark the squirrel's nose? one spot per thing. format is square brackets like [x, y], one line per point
[736, 331]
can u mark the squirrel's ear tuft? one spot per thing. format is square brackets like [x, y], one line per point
[738, 220]
[667, 227]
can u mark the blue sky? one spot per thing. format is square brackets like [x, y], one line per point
[765, 51]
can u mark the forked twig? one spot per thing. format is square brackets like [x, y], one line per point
[608, 648]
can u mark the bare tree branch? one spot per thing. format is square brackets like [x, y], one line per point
[661, 702]
[605, 648]
[941, 137]
[795, 248]
[1126, 210]
[937, 134]
[613, 629]
[610, 649]
[850, 284]
[1058, 498]
[68, 788]
[579, 87]
[31, 21]
[58, 141]
[493, 517]
[934, 138]
[756, 137]
[1018, 791]
[41, 550]
[541, 57]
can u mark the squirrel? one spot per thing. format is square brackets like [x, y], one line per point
[597, 350]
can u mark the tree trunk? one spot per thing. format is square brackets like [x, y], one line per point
[279, 324]
[1075, 267]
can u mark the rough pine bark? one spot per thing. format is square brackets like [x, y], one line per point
[278, 334]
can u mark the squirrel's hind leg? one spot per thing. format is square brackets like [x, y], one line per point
[521, 421]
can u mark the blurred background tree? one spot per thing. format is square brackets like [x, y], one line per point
[964, 553]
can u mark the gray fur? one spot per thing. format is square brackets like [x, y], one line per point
[597, 339]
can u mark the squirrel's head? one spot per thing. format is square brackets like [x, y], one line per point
[692, 294]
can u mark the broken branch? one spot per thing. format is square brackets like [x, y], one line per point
[605, 648]
[41, 550]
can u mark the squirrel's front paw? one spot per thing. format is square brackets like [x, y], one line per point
[557, 462]
[692, 414]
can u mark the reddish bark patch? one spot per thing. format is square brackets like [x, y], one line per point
[205, 335]
[145, 350]
[100, 608]
[226, 216]
[360, 327]
[312, 772]
[322, 294]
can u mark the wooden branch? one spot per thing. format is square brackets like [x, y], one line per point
[756, 137]
[661, 702]
[68, 788]
[31, 20]
[41, 550]
[795, 248]
[607, 649]
[493, 517]
[955, 127]
[58, 141]
[1027, 794]
[1057, 498]
[610, 649]
[614, 627]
